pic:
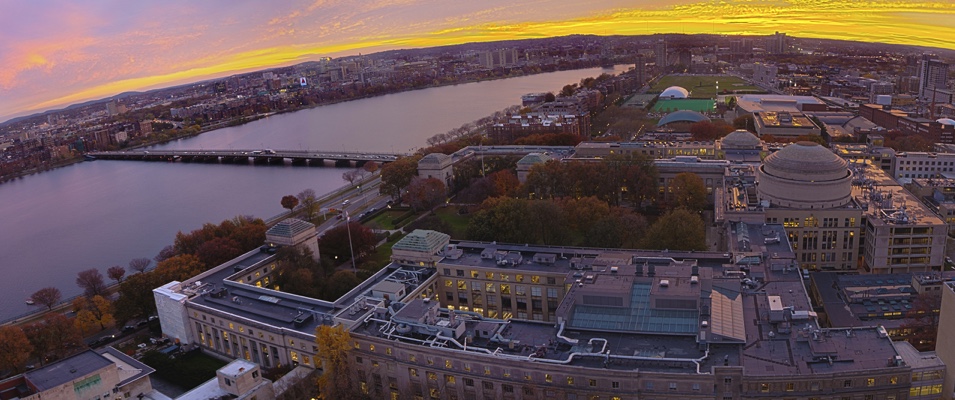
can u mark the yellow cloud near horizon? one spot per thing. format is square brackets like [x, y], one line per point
[909, 23]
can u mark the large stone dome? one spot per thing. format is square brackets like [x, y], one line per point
[805, 175]
[740, 139]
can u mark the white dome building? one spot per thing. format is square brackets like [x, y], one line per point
[804, 175]
[674, 92]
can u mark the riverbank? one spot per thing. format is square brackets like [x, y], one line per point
[245, 120]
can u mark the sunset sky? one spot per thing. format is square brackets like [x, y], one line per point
[54, 53]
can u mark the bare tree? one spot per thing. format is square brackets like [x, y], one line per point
[140, 264]
[352, 175]
[116, 273]
[166, 252]
[91, 281]
[48, 296]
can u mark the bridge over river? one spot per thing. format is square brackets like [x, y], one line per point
[263, 157]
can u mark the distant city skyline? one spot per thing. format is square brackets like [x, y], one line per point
[56, 53]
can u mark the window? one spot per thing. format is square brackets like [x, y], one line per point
[432, 376]
[764, 387]
[696, 387]
[570, 380]
[615, 385]
[870, 382]
[359, 360]
[847, 383]
[449, 379]
[468, 382]
[672, 385]
[488, 385]
[593, 383]
[507, 388]
[548, 378]
[790, 386]
[413, 372]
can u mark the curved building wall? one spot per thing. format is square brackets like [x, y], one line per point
[805, 175]
[791, 191]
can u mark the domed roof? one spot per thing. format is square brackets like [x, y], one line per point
[805, 175]
[682, 116]
[805, 161]
[675, 92]
[946, 121]
[740, 138]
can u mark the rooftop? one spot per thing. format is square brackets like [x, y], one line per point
[67, 370]
[289, 227]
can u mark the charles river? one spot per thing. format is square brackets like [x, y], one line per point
[103, 213]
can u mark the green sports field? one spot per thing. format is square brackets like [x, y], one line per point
[698, 105]
[702, 86]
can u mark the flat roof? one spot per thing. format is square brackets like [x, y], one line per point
[67, 370]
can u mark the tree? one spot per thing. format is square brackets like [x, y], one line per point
[333, 345]
[335, 241]
[339, 283]
[549, 97]
[217, 251]
[136, 298]
[54, 336]
[619, 229]
[179, 268]
[709, 131]
[15, 348]
[397, 175]
[91, 281]
[289, 202]
[164, 254]
[676, 230]
[141, 264]
[352, 175]
[48, 296]
[308, 199]
[688, 191]
[95, 311]
[370, 167]
[425, 193]
[116, 273]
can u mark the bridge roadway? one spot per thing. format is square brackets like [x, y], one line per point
[272, 157]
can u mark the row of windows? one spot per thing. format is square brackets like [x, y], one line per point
[767, 387]
[500, 276]
[505, 288]
[813, 222]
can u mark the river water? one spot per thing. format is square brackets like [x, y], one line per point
[104, 213]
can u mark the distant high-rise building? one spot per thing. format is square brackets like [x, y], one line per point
[660, 52]
[778, 44]
[498, 58]
[685, 57]
[111, 109]
[640, 68]
[741, 46]
[933, 74]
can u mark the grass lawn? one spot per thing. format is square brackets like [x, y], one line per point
[458, 222]
[382, 255]
[383, 220]
[702, 86]
[187, 371]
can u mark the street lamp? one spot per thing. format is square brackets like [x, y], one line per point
[348, 228]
